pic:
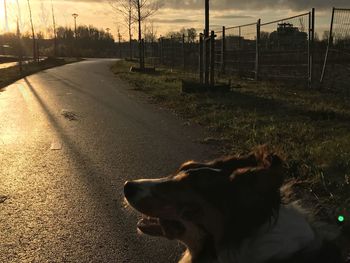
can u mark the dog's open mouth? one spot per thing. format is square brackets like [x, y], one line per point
[160, 227]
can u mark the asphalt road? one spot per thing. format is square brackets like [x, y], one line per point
[61, 180]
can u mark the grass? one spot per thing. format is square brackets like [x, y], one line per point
[10, 75]
[311, 128]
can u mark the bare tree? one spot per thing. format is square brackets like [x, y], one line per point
[149, 32]
[125, 8]
[144, 9]
[54, 29]
[33, 32]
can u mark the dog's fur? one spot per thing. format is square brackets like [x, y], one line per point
[230, 210]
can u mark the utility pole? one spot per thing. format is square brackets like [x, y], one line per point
[75, 25]
[54, 30]
[75, 33]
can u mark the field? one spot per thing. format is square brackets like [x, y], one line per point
[310, 128]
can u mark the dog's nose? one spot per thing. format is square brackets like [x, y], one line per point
[130, 189]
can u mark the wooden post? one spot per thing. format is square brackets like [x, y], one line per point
[201, 58]
[223, 51]
[257, 54]
[212, 59]
[183, 52]
[330, 44]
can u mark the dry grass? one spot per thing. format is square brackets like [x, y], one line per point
[310, 127]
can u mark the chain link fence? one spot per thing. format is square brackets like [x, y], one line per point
[284, 49]
[336, 67]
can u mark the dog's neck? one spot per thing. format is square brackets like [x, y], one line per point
[288, 235]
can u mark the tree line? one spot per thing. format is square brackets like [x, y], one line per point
[88, 42]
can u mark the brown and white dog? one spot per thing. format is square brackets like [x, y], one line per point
[230, 211]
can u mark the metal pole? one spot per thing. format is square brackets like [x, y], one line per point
[201, 58]
[223, 51]
[206, 43]
[206, 18]
[212, 59]
[257, 58]
[330, 43]
[183, 52]
[311, 46]
[206, 60]
[172, 52]
[161, 51]
[75, 32]
[239, 52]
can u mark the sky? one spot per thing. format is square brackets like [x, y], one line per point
[174, 14]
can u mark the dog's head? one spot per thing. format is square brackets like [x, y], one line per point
[206, 202]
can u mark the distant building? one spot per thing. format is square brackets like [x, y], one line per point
[287, 36]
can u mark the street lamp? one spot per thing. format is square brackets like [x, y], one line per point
[75, 24]
[108, 29]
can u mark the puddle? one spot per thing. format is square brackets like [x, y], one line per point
[69, 115]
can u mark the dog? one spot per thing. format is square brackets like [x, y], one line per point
[231, 211]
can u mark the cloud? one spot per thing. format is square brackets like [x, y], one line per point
[173, 21]
[231, 16]
[294, 5]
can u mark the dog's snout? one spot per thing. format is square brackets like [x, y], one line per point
[130, 189]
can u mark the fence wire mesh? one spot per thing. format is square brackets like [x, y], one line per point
[336, 70]
[284, 49]
[240, 44]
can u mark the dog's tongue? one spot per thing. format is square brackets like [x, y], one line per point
[150, 226]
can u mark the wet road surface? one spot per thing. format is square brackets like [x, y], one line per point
[69, 138]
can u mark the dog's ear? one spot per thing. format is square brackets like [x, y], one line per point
[266, 178]
[227, 165]
[190, 165]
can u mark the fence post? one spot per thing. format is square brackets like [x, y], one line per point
[330, 43]
[206, 57]
[161, 50]
[223, 51]
[172, 52]
[257, 58]
[212, 59]
[311, 46]
[238, 53]
[183, 52]
[201, 58]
